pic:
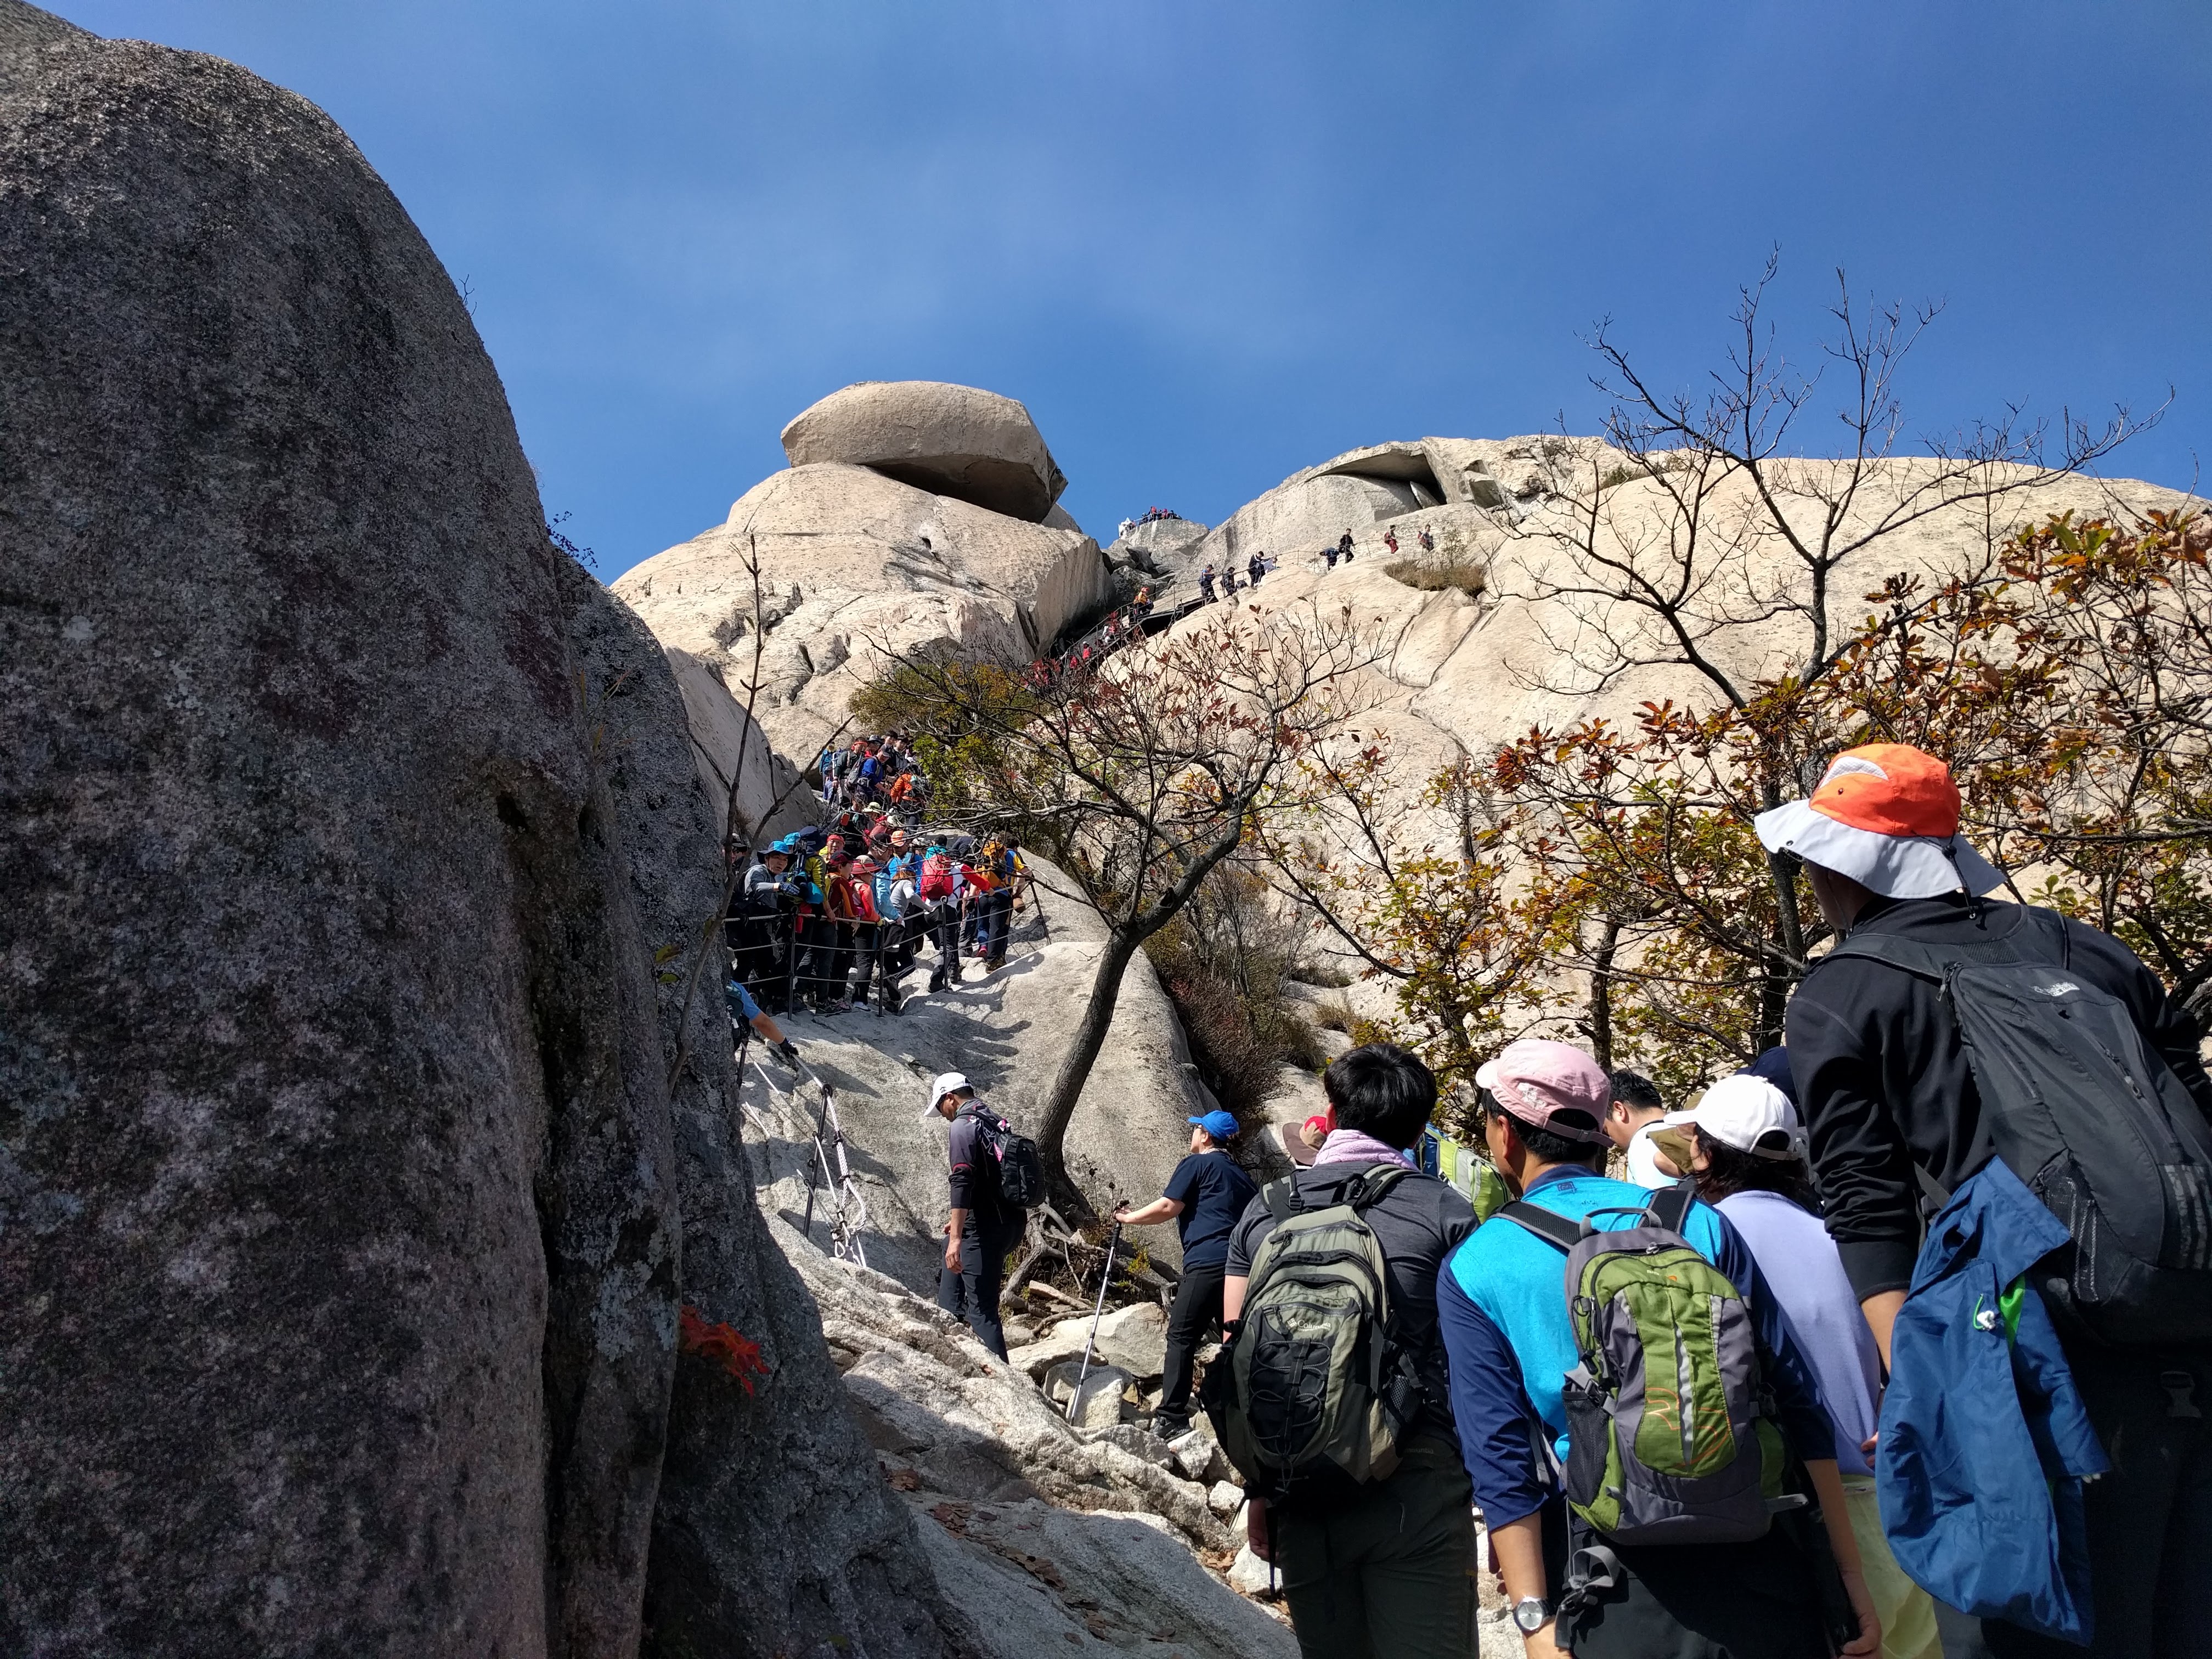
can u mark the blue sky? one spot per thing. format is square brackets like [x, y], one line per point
[1209, 244]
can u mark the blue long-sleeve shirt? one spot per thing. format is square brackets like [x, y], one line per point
[1501, 1301]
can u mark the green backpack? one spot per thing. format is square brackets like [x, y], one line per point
[1671, 1436]
[1313, 1392]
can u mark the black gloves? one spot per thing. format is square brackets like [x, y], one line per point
[788, 1050]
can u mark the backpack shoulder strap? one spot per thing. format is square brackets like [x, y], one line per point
[1369, 1188]
[1547, 1224]
[1670, 1205]
[2038, 936]
[1926, 961]
[1282, 1198]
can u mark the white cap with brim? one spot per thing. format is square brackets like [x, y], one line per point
[1896, 866]
[945, 1084]
[1743, 1111]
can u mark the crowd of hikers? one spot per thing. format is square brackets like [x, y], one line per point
[832, 916]
[1898, 1340]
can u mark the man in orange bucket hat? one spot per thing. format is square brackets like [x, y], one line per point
[1890, 1099]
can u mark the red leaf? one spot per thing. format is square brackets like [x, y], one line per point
[738, 1355]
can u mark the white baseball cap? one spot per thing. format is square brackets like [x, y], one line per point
[945, 1084]
[1743, 1111]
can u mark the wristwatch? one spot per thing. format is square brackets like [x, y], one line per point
[1531, 1615]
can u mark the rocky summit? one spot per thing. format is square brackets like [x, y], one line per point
[822, 570]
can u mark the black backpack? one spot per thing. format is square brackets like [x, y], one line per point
[1021, 1171]
[2091, 1119]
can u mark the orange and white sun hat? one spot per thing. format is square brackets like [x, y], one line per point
[1886, 815]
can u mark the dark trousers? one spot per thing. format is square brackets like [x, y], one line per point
[833, 952]
[999, 921]
[867, 958]
[752, 952]
[2150, 1519]
[1196, 1312]
[1388, 1574]
[972, 1293]
[1756, 1600]
[944, 929]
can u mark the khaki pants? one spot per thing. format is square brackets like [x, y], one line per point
[1908, 1615]
[1388, 1574]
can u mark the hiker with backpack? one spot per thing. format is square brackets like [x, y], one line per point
[1742, 1145]
[871, 967]
[1331, 1396]
[987, 1220]
[1635, 1411]
[769, 902]
[2029, 1081]
[1206, 1198]
[935, 891]
[1001, 859]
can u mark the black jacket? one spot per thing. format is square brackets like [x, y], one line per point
[974, 1185]
[1883, 1082]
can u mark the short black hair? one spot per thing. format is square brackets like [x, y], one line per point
[1545, 1146]
[1381, 1090]
[1634, 1089]
[1729, 1171]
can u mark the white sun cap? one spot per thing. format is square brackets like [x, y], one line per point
[1743, 1111]
[1886, 815]
[945, 1084]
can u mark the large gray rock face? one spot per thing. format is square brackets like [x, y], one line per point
[337, 1232]
[956, 441]
[774, 1532]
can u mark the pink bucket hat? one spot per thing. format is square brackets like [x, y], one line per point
[1539, 1082]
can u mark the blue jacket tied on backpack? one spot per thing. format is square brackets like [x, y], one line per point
[1985, 1443]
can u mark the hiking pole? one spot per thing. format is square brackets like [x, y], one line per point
[848, 1211]
[1075, 1396]
[1036, 898]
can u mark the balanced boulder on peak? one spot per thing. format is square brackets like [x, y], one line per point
[956, 441]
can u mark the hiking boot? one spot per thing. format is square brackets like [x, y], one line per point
[1170, 1428]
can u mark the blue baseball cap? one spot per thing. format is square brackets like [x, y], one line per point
[1222, 1125]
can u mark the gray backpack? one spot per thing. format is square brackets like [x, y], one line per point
[1671, 1437]
[1313, 1393]
[2093, 1121]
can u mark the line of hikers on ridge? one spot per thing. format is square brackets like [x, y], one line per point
[1921, 1302]
[1215, 582]
[1225, 576]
